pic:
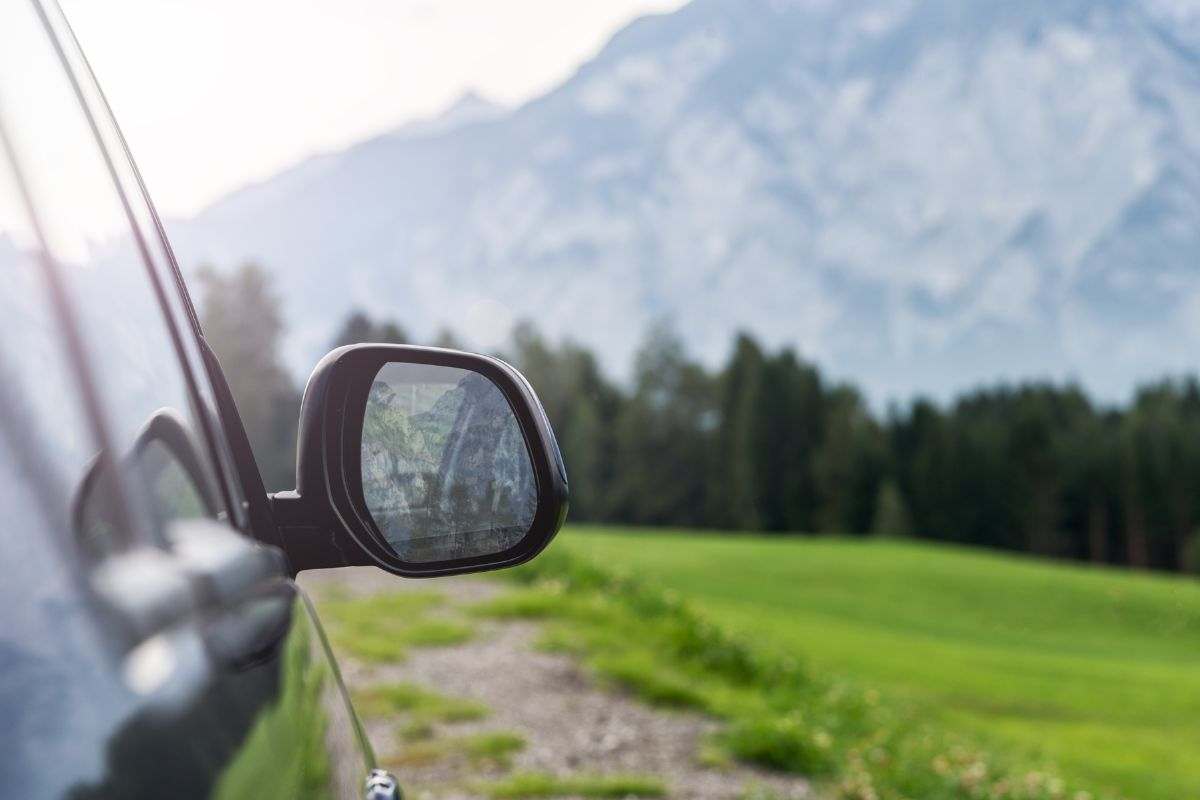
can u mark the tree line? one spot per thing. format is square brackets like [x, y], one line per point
[767, 443]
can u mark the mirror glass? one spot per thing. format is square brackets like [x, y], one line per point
[446, 473]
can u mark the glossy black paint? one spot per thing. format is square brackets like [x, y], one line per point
[151, 642]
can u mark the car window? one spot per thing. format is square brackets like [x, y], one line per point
[154, 426]
[158, 257]
[33, 364]
[58, 689]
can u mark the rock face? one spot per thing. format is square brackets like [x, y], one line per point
[445, 470]
[920, 195]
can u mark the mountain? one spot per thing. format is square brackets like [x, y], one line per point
[919, 195]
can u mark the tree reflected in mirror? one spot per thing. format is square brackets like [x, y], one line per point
[446, 473]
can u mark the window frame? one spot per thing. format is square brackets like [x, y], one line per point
[158, 260]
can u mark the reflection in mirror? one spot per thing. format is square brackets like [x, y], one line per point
[446, 473]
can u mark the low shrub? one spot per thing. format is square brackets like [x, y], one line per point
[540, 784]
[779, 714]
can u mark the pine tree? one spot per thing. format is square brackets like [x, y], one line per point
[891, 512]
[242, 320]
[359, 328]
[735, 483]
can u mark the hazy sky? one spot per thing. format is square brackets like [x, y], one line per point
[213, 94]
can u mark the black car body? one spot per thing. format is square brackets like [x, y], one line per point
[153, 642]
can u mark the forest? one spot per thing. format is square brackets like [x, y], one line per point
[767, 443]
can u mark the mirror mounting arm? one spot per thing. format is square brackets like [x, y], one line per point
[311, 538]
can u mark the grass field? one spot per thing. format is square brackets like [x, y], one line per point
[1096, 670]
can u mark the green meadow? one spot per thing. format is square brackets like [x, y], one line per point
[1094, 671]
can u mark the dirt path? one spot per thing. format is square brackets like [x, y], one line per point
[570, 724]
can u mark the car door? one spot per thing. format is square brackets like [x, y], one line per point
[207, 672]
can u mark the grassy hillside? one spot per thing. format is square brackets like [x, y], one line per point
[1096, 669]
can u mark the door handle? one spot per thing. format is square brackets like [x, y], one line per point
[226, 567]
[214, 599]
[243, 595]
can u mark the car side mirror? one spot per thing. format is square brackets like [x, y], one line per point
[421, 461]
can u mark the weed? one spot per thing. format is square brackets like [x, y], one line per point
[649, 681]
[382, 628]
[779, 714]
[538, 784]
[494, 748]
[421, 704]
[527, 604]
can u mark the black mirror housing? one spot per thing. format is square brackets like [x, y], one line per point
[434, 511]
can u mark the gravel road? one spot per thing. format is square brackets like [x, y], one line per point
[571, 724]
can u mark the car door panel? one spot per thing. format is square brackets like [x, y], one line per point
[231, 699]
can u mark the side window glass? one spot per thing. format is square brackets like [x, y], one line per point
[154, 425]
[158, 253]
[35, 375]
[166, 458]
[176, 493]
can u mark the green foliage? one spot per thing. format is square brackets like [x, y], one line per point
[583, 407]
[384, 700]
[736, 476]
[791, 424]
[381, 628]
[968, 688]
[766, 444]
[539, 784]
[891, 512]
[291, 732]
[381, 648]
[359, 328]
[781, 742]
[492, 748]
[849, 464]
[243, 323]
[416, 730]
[655, 646]
[758, 792]
[436, 633]
[532, 604]
[1190, 561]
[650, 681]
[1091, 669]
[447, 339]
[660, 431]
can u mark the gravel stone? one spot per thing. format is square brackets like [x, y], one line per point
[570, 722]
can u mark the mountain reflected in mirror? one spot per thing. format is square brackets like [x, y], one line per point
[446, 472]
